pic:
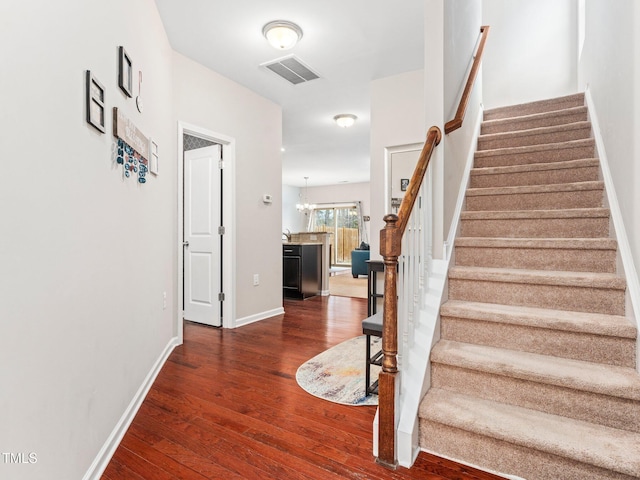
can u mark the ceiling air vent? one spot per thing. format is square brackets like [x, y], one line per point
[291, 69]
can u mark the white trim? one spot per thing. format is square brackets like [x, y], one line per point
[228, 212]
[630, 272]
[103, 458]
[259, 316]
[388, 151]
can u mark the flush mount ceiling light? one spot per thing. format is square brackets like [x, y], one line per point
[282, 34]
[345, 120]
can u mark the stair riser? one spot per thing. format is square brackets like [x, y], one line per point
[590, 407]
[588, 347]
[502, 456]
[536, 201]
[536, 228]
[534, 108]
[506, 158]
[526, 124]
[570, 260]
[523, 140]
[542, 177]
[558, 297]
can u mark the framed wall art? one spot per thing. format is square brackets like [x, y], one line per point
[153, 157]
[125, 72]
[95, 102]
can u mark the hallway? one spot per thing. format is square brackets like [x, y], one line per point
[226, 405]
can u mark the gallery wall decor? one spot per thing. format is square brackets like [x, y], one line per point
[133, 147]
[125, 72]
[139, 104]
[153, 157]
[95, 94]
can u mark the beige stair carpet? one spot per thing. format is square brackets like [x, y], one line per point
[534, 375]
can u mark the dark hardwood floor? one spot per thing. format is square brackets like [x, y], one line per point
[227, 406]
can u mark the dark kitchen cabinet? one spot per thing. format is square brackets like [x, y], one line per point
[301, 270]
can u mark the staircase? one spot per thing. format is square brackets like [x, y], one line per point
[534, 375]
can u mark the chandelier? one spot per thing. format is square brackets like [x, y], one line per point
[305, 207]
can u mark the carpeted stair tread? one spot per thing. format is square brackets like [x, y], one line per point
[567, 169]
[598, 378]
[535, 136]
[535, 197]
[538, 106]
[544, 153]
[568, 254]
[560, 223]
[604, 447]
[539, 277]
[531, 189]
[525, 122]
[537, 214]
[547, 243]
[581, 322]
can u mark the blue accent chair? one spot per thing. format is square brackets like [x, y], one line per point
[359, 262]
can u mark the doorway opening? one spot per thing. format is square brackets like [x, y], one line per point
[220, 262]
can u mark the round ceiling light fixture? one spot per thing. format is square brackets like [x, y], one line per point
[282, 34]
[345, 120]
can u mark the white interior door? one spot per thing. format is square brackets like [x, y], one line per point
[202, 259]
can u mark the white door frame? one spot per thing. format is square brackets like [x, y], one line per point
[228, 214]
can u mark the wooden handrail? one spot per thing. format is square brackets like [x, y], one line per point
[456, 122]
[390, 249]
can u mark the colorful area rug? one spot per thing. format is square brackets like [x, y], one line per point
[338, 374]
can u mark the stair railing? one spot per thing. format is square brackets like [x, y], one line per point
[456, 122]
[391, 240]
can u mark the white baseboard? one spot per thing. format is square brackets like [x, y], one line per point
[100, 463]
[258, 316]
[624, 249]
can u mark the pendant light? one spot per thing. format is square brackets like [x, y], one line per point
[305, 207]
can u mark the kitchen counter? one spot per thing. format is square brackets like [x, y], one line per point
[301, 243]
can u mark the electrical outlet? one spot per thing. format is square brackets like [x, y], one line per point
[164, 300]
[256, 279]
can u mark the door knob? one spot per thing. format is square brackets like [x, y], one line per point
[185, 244]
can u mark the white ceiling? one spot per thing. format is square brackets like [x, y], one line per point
[347, 42]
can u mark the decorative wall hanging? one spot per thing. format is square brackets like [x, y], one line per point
[153, 157]
[404, 183]
[133, 147]
[139, 96]
[125, 73]
[95, 102]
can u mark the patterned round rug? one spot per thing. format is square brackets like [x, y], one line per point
[338, 374]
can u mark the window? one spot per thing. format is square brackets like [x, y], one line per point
[343, 221]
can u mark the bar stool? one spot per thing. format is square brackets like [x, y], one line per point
[372, 326]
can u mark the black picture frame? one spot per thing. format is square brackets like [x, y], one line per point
[404, 183]
[125, 72]
[95, 102]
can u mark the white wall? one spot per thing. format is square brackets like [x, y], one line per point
[397, 118]
[461, 32]
[347, 192]
[531, 50]
[85, 254]
[609, 67]
[209, 100]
